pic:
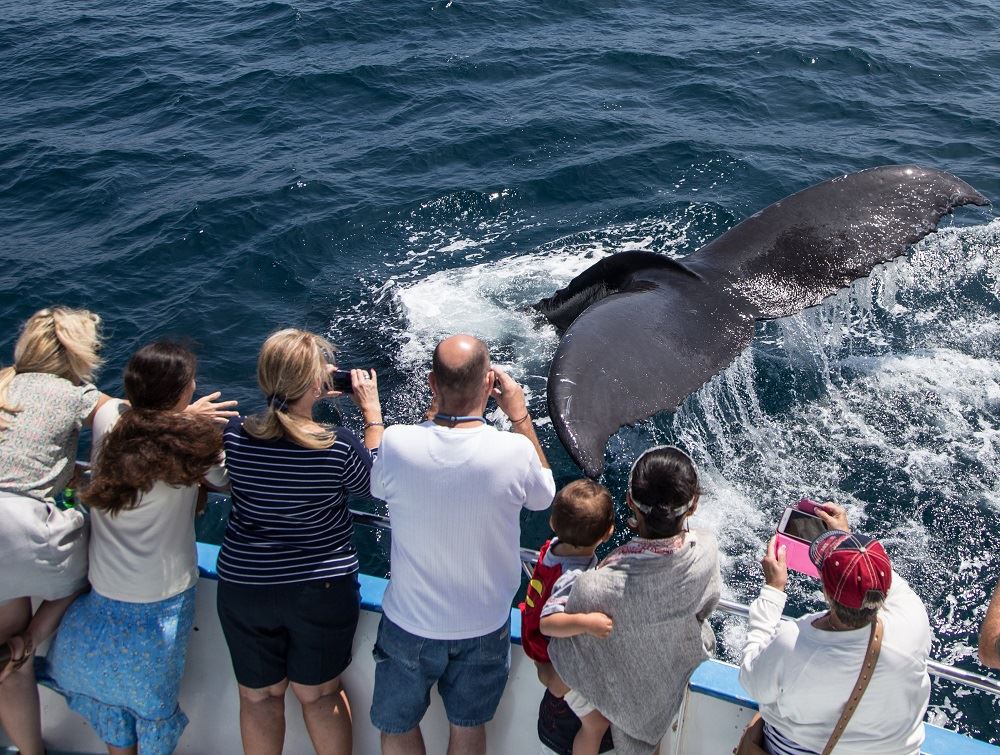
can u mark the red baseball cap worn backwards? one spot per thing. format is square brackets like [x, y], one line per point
[851, 565]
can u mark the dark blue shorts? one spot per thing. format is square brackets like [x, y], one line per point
[470, 674]
[302, 632]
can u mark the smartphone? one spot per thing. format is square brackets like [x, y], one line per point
[796, 531]
[340, 380]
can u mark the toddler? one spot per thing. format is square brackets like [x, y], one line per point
[583, 517]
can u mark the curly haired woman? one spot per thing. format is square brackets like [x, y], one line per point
[119, 653]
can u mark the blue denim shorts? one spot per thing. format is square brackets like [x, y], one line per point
[470, 674]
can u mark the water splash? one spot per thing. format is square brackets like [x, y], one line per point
[886, 398]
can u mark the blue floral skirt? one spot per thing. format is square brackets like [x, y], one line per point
[119, 665]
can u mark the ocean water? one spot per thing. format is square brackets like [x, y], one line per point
[393, 172]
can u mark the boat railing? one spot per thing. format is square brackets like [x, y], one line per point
[733, 608]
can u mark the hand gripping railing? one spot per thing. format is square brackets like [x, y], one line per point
[936, 668]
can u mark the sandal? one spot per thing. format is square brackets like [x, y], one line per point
[9, 662]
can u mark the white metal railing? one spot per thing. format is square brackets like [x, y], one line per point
[935, 668]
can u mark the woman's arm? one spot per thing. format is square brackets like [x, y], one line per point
[556, 622]
[102, 399]
[713, 590]
[760, 673]
[365, 395]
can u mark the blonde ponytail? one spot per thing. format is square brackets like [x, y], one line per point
[58, 341]
[290, 363]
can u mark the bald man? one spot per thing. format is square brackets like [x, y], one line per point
[455, 487]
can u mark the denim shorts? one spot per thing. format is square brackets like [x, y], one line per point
[470, 674]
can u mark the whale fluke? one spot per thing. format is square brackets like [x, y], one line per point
[642, 331]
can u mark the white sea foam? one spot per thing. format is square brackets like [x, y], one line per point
[492, 299]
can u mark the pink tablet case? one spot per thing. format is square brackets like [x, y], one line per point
[796, 555]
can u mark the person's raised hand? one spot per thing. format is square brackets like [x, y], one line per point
[834, 516]
[365, 395]
[209, 406]
[328, 391]
[775, 565]
[509, 395]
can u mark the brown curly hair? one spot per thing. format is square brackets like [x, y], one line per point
[152, 441]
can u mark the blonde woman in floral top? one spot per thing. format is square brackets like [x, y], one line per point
[45, 398]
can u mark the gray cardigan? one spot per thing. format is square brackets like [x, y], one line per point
[637, 676]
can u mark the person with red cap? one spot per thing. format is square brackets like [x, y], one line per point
[803, 672]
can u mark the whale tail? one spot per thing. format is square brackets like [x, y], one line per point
[642, 332]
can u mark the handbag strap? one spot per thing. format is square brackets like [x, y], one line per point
[867, 669]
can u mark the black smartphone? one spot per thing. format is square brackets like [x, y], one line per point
[340, 380]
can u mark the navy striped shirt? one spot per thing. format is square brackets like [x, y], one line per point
[777, 743]
[290, 521]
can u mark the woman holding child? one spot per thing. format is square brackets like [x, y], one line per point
[658, 590]
[288, 589]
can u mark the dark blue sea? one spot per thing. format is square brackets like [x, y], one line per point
[390, 172]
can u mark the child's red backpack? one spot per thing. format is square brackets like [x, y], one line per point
[536, 644]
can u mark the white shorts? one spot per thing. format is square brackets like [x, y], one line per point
[578, 703]
[43, 549]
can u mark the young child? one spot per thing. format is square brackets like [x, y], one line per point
[583, 517]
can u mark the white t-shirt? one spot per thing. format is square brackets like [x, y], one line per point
[455, 498]
[147, 553]
[802, 676]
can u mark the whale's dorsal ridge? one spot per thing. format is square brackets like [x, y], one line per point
[612, 275]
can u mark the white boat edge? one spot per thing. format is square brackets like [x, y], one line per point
[713, 714]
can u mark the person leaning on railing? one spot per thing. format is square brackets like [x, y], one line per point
[119, 654]
[803, 672]
[46, 397]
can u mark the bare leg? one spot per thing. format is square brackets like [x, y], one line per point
[46, 620]
[466, 740]
[262, 719]
[20, 713]
[327, 714]
[112, 750]
[547, 675]
[408, 743]
[588, 739]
